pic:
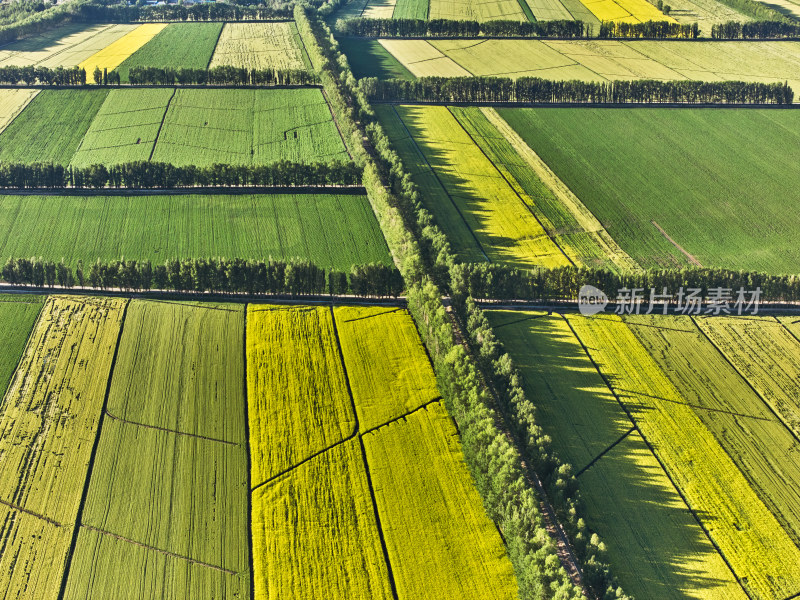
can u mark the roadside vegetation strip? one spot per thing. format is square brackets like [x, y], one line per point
[602, 155]
[751, 540]
[745, 426]
[249, 127]
[258, 46]
[125, 128]
[51, 127]
[390, 373]
[17, 318]
[330, 231]
[292, 358]
[64, 46]
[186, 45]
[315, 533]
[177, 494]
[655, 545]
[433, 194]
[47, 426]
[13, 102]
[441, 544]
[765, 353]
[115, 53]
[180, 367]
[563, 208]
[501, 222]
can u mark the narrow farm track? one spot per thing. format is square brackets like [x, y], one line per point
[336, 122]
[249, 464]
[554, 528]
[30, 512]
[680, 493]
[159, 550]
[161, 126]
[605, 451]
[683, 251]
[90, 467]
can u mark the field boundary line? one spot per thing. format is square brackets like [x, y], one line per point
[90, 466]
[441, 183]
[356, 424]
[689, 257]
[528, 318]
[378, 523]
[159, 550]
[165, 430]
[402, 417]
[658, 458]
[221, 190]
[606, 451]
[214, 51]
[248, 460]
[508, 183]
[160, 127]
[744, 378]
[30, 512]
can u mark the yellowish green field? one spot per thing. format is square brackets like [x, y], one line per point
[116, 52]
[752, 540]
[65, 46]
[481, 10]
[12, 102]
[656, 547]
[440, 542]
[602, 60]
[503, 226]
[258, 46]
[626, 11]
[315, 534]
[297, 395]
[765, 351]
[389, 371]
[47, 429]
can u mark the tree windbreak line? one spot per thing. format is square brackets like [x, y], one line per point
[212, 11]
[536, 90]
[757, 30]
[214, 275]
[148, 175]
[416, 28]
[223, 75]
[501, 282]
[659, 30]
[503, 447]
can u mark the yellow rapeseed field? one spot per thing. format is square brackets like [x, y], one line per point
[112, 55]
[502, 223]
[626, 11]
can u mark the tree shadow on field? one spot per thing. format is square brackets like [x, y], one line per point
[44, 41]
[655, 545]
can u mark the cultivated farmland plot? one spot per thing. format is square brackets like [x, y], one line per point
[329, 230]
[602, 60]
[17, 316]
[259, 46]
[116, 52]
[47, 428]
[12, 102]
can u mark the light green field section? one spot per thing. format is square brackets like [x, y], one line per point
[389, 372]
[244, 127]
[315, 534]
[297, 393]
[440, 542]
[48, 425]
[12, 102]
[331, 231]
[259, 46]
[638, 170]
[51, 127]
[180, 367]
[481, 10]
[65, 46]
[655, 546]
[603, 60]
[125, 128]
[17, 316]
